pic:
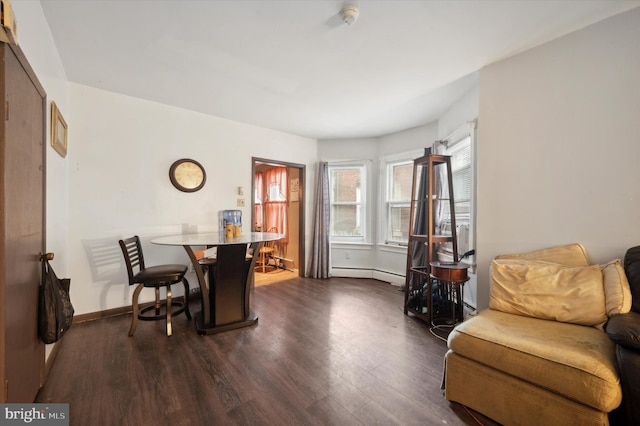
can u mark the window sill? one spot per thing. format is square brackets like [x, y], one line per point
[393, 247]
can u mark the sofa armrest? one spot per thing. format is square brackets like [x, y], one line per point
[624, 329]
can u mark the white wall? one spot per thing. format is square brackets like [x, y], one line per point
[355, 260]
[391, 261]
[372, 259]
[34, 38]
[119, 183]
[463, 111]
[375, 259]
[114, 180]
[417, 138]
[559, 146]
[36, 42]
[556, 162]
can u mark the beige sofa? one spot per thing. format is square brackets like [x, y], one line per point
[539, 354]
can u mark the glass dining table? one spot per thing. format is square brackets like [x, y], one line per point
[227, 292]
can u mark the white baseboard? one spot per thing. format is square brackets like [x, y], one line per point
[351, 273]
[393, 279]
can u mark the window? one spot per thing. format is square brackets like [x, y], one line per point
[460, 147]
[347, 183]
[398, 200]
[270, 199]
[461, 174]
[276, 193]
[275, 203]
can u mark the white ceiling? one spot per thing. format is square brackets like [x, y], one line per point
[295, 66]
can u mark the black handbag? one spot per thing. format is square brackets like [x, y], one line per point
[55, 311]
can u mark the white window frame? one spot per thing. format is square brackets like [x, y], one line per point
[451, 144]
[386, 165]
[362, 203]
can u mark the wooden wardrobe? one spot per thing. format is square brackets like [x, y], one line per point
[23, 112]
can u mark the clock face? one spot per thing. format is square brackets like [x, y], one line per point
[187, 175]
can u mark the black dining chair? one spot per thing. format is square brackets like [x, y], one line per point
[154, 277]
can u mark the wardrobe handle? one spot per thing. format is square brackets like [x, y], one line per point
[48, 256]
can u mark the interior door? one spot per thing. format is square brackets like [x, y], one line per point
[22, 226]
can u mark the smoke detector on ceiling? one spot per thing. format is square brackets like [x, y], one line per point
[349, 14]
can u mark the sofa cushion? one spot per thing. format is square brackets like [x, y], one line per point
[544, 290]
[568, 255]
[632, 270]
[625, 330]
[575, 361]
[617, 293]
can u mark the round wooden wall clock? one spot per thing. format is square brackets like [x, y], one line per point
[187, 175]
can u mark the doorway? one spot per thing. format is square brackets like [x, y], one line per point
[277, 205]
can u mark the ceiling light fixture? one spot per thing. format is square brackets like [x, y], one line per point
[349, 14]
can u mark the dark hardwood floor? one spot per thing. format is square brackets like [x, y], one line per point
[336, 351]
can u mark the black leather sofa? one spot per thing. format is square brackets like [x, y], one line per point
[624, 329]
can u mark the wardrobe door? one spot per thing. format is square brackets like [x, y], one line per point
[22, 226]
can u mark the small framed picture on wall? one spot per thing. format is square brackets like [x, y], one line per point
[58, 131]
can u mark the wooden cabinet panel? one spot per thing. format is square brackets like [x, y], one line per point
[22, 225]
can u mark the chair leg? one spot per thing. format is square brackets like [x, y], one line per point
[186, 297]
[158, 305]
[134, 303]
[169, 330]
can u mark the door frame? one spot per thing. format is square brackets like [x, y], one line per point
[301, 215]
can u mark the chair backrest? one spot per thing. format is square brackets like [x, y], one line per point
[133, 257]
[271, 243]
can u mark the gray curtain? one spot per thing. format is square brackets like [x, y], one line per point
[320, 255]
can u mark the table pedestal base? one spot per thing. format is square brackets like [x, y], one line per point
[200, 327]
